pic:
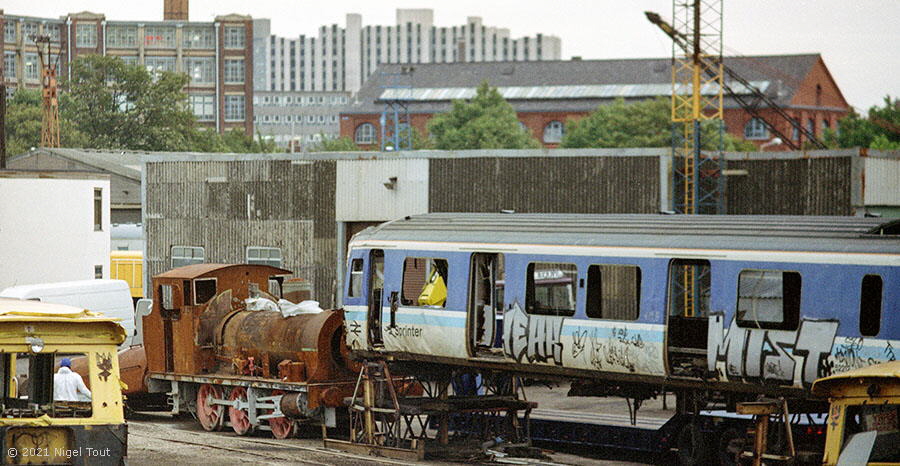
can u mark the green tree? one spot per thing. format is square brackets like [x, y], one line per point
[23, 124]
[23, 121]
[640, 124]
[116, 105]
[879, 130]
[486, 122]
[341, 144]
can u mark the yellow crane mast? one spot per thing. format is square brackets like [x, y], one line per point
[49, 93]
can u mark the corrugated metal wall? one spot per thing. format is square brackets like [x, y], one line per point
[800, 186]
[882, 180]
[545, 184]
[363, 197]
[229, 205]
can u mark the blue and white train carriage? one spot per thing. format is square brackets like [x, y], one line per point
[753, 304]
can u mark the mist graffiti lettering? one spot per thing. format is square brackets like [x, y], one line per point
[771, 356]
[532, 338]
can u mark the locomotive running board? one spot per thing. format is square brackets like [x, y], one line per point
[406, 454]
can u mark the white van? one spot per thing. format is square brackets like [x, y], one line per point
[111, 298]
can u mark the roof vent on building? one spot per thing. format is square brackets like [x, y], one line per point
[576, 58]
[508, 71]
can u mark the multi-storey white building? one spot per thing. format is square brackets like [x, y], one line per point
[340, 58]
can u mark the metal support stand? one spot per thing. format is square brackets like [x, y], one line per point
[405, 417]
[762, 410]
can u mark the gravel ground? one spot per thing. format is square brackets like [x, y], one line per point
[155, 439]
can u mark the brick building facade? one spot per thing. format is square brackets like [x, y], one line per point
[546, 95]
[218, 56]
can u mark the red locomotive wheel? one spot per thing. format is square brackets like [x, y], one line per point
[240, 421]
[209, 415]
[282, 427]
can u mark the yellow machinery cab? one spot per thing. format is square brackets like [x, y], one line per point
[864, 415]
[36, 425]
[128, 266]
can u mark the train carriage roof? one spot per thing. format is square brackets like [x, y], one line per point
[728, 232]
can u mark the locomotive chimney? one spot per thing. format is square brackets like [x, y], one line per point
[175, 10]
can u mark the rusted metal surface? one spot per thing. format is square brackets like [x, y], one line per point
[174, 338]
[269, 337]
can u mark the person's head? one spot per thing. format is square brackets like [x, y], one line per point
[66, 362]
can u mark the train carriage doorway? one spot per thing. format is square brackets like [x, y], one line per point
[687, 317]
[376, 291]
[481, 319]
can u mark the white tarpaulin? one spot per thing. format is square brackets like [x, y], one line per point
[284, 306]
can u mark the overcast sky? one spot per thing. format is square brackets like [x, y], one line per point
[859, 39]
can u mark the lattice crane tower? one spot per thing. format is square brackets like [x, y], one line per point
[49, 93]
[697, 84]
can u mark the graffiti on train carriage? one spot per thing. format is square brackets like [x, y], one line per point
[771, 355]
[851, 354]
[532, 337]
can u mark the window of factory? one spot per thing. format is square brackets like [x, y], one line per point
[98, 209]
[9, 31]
[755, 129]
[795, 129]
[203, 106]
[264, 256]
[159, 37]
[550, 289]
[811, 126]
[121, 36]
[98, 272]
[553, 132]
[769, 299]
[424, 282]
[86, 35]
[128, 59]
[156, 65]
[825, 125]
[198, 38]
[32, 67]
[870, 305]
[204, 290]
[356, 278]
[29, 30]
[365, 134]
[234, 71]
[202, 70]
[613, 292]
[9, 64]
[187, 255]
[52, 30]
[234, 108]
[234, 37]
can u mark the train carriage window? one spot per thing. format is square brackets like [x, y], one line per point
[424, 282]
[870, 305]
[204, 290]
[356, 278]
[690, 287]
[613, 292]
[769, 299]
[550, 289]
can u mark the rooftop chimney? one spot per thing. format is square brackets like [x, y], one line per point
[175, 10]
